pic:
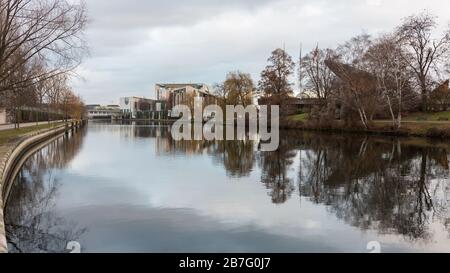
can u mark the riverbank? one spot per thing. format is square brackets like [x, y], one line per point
[432, 129]
[9, 126]
[10, 134]
[14, 144]
[410, 127]
[135, 119]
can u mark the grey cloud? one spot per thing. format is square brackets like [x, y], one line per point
[119, 23]
[137, 43]
[133, 13]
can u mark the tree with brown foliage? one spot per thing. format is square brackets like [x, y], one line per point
[275, 77]
[239, 88]
[275, 85]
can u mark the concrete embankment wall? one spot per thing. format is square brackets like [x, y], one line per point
[14, 156]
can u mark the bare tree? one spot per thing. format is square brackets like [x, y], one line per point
[55, 87]
[220, 92]
[424, 52]
[13, 99]
[41, 91]
[319, 78]
[392, 74]
[300, 70]
[64, 100]
[353, 51]
[49, 31]
[358, 91]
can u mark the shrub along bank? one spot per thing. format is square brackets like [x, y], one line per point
[422, 129]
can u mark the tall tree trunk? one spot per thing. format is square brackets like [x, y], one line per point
[391, 111]
[424, 97]
[399, 116]
[48, 112]
[399, 121]
[363, 117]
[18, 117]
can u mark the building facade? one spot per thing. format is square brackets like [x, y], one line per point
[96, 111]
[136, 107]
[183, 93]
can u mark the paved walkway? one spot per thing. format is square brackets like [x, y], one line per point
[11, 126]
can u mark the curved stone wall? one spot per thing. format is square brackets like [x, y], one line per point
[14, 156]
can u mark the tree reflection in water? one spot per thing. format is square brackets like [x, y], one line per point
[387, 184]
[274, 167]
[391, 185]
[31, 222]
[377, 183]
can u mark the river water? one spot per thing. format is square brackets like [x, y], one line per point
[132, 188]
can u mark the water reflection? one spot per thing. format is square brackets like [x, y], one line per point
[398, 188]
[371, 183]
[378, 184]
[274, 166]
[31, 223]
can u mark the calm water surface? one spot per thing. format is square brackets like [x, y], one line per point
[131, 188]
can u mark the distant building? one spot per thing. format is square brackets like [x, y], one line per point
[440, 97]
[113, 106]
[178, 93]
[137, 107]
[92, 106]
[96, 111]
[165, 90]
[305, 105]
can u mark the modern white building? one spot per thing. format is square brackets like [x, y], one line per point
[133, 106]
[130, 105]
[178, 93]
[103, 112]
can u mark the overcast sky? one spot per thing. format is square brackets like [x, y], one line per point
[137, 43]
